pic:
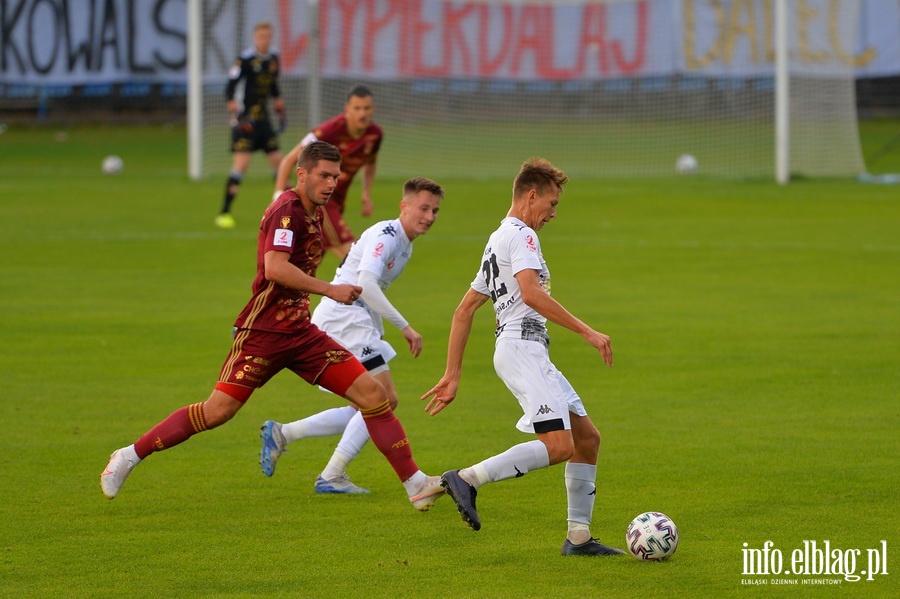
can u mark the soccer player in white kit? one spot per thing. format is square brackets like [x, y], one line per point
[514, 276]
[374, 261]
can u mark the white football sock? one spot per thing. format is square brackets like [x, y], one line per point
[414, 483]
[352, 441]
[336, 466]
[324, 424]
[581, 491]
[355, 436]
[516, 461]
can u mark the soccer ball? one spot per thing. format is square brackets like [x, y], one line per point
[652, 536]
[686, 164]
[112, 165]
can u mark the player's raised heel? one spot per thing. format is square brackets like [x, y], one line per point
[464, 495]
[272, 446]
[590, 547]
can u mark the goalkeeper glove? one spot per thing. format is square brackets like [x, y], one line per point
[242, 125]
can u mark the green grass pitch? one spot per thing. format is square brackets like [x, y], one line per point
[754, 395]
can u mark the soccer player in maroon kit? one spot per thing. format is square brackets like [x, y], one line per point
[358, 138]
[273, 332]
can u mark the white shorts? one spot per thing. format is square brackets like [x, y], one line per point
[543, 392]
[355, 328]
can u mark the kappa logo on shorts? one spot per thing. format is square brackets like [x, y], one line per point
[367, 351]
[544, 409]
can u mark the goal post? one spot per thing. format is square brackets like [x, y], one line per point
[782, 95]
[622, 88]
[195, 89]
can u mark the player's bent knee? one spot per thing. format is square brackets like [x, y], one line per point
[393, 400]
[588, 441]
[366, 392]
[560, 447]
[562, 454]
[220, 408]
[384, 377]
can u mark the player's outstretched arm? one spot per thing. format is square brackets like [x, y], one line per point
[535, 297]
[368, 177]
[445, 391]
[280, 270]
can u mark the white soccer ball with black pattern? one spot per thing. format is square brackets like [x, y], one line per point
[112, 165]
[652, 536]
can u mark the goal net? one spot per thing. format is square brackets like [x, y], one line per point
[608, 89]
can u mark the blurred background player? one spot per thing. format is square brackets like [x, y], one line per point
[514, 276]
[253, 79]
[375, 260]
[359, 139]
[273, 333]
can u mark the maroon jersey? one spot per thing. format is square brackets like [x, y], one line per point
[285, 227]
[355, 153]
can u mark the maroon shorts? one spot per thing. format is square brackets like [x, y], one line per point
[334, 229]
[256, 357]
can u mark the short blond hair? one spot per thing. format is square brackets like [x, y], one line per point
[538, 173]
[417, 184]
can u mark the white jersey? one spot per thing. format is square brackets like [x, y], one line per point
[383, 250]
[512, 248]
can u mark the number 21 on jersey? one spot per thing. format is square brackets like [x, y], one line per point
[491, 271]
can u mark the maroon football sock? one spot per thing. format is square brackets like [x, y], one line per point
[389, 437]
[180, 426]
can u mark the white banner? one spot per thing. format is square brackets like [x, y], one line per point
[46, 42]
[92, 41]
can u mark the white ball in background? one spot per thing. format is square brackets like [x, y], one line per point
[686, 164]
[112, 165]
